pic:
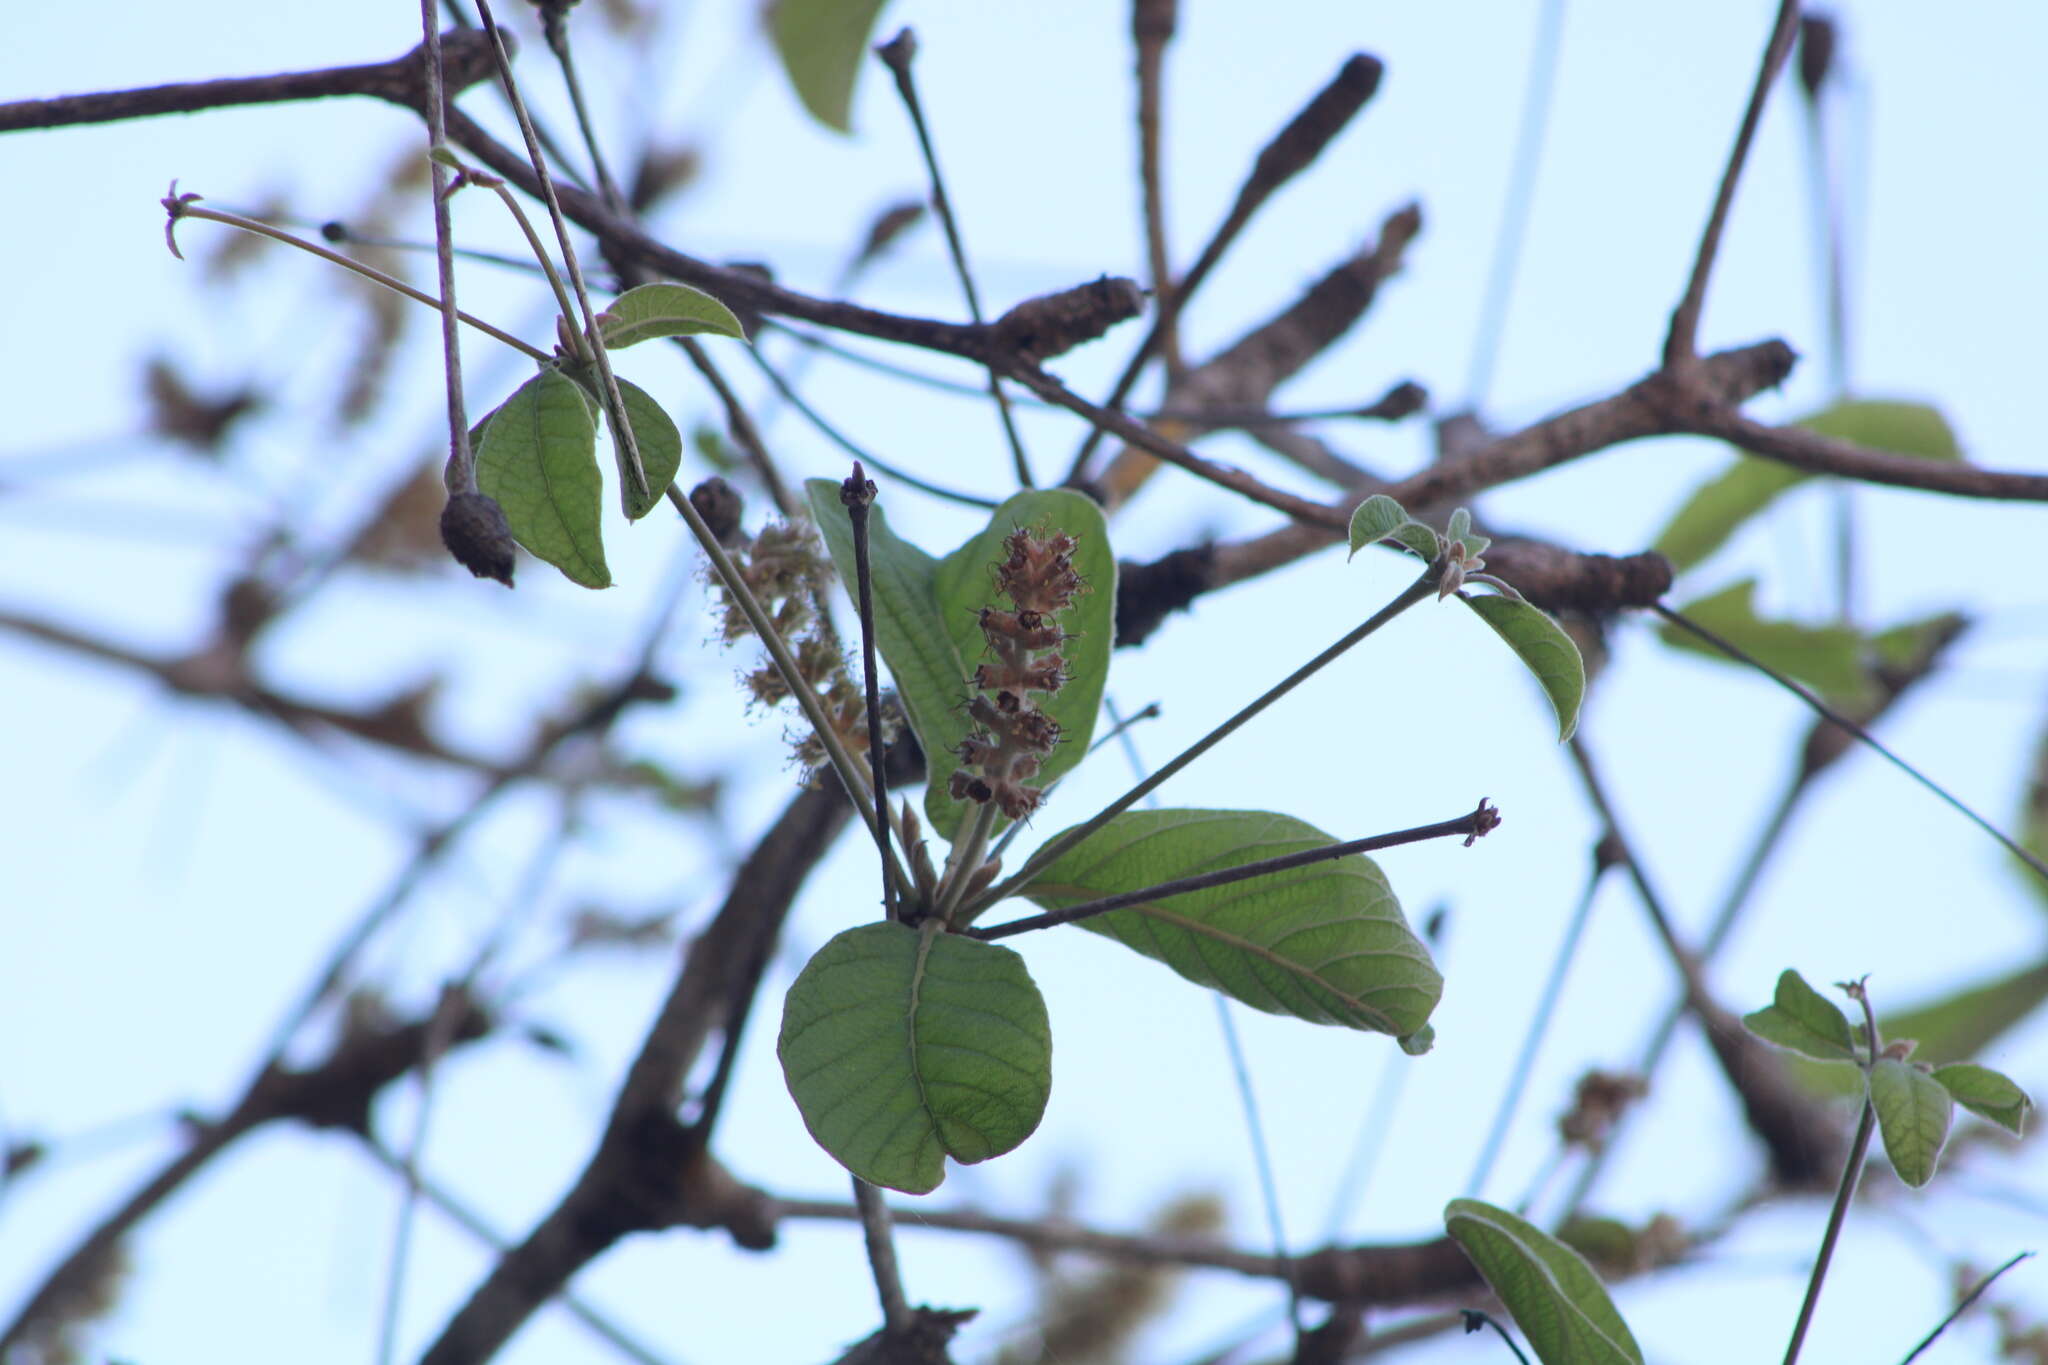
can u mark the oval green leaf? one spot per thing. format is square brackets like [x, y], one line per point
[1720, 507]
[1803, 1020]
[660, 445]
[823, 44]
[1543, 647]
[1958, 1025]
[1986, 1093]
[1913, 1112]
[1556, 1298]
[665, 309]
[962, 587]
[905, 1046]
[1326, 943]
[1827, 658]
[538, 458]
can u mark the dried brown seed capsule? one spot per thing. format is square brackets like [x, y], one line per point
[474, 529]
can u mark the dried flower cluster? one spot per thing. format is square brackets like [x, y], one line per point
[787, 570]
[1038, 578]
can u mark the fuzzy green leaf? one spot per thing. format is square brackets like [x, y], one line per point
[1379, 518]
[1827, 658]
[538, 458]
[903, 1047]
[665, 309]
[1326, 943]
[823, 44]
[1719, 508]
[1544, 648]
[1958, 1025]
[963, 585]
[1987, 1094]
[1913, 1112]
[1805, 1021]
[654, 433]
[1556, 1298]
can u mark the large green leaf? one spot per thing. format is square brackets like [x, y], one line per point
[1827, 658]
[905, 1046]
[539, 460]
[927, 625]
[1805, 1021]
[665, 309]
[1720, 507]
[1326, 943]
[1987, 1093]
[963, 586]
[1913, 1112]
[1543, 647]
[1556, 1298]
[823, 45]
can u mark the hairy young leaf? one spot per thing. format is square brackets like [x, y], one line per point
[538, 458]
[1913, 1112]
[1958, 1025]
[1544, 648]
[1556, 1298]
[1326, 943]
[908, 630]
[1719, 508]
[964, 584]
[1379, 518]
[904, 1046]
[1826, 658]
[1987, 1094]
[656, 437]
[1805, 1021]
[823, 44]
[666, 309]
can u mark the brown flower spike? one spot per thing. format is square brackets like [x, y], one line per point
[1013, 736]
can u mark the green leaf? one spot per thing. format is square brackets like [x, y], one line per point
[2033, 815]
[667, 309]
[1326, 943]
[1717, 509]
[539, 460]
[660, 445]
[962, 587]
[1987, 1094]
[905, 1046]
[823, 44]
[1379, 518]
[1556, 1298]
[1827, 658]
[1889, 424]
[1913, 1112]
[927, 625]
[1956, 1026]
[1544, 648]
[1805, 1021]
[1720, 507]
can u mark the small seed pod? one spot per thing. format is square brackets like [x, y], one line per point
[474, 529]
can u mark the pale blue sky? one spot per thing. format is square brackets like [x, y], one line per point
[173, 871]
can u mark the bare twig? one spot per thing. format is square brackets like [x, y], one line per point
[876, 1223]
[1292, 150]
[1680, 345]
[899, 54]
[856, 495]
[1963, 1306]
[1152, 26]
